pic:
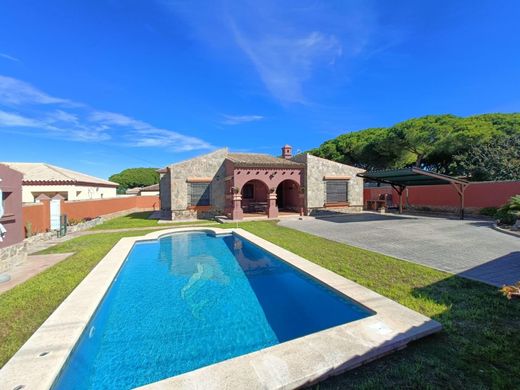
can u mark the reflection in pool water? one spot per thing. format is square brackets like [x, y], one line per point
[192, 299]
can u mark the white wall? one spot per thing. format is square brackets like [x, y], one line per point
[70, 192]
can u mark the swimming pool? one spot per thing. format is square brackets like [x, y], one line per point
[66, 350]
[192, 299]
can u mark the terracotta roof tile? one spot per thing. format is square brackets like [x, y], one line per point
[42, 172]
[257, 159]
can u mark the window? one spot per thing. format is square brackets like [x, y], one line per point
[248, 191]
[199, 194]
[336, 191]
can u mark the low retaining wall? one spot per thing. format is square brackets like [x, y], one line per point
[14, 255]
[444, 197]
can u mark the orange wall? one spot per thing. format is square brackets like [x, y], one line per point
[477, 195]
[39, 214]
[95, 208]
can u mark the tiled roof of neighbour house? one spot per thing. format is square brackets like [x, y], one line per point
[42, 173]
[153, 187]
[132, 191]
[261, 160]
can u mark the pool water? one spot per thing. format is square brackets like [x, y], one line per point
[192, 299]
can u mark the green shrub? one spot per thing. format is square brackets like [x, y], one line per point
[510, 212]
[488, 211]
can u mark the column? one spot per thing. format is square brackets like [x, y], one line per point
[237, 212]
[272, 210]
[301, 197]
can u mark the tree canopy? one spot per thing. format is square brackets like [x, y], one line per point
[441, 143]
[135, 177]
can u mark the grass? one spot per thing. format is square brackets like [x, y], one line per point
[140, 220]
[477, 349]
[25, 307]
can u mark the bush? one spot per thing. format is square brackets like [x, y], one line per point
[510, 212]
[488, 211]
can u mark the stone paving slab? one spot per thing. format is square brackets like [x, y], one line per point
[469, 248]
[32, 267]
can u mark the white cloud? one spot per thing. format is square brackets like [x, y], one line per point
[143, 134]
[239, 119]
[296, 47]
[10, 119]
[8, 57]
[285, 63]
[16, 92]
[62, 116]
[116, 119]
[170, 139]
[43, 116]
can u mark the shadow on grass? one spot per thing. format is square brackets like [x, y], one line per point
[142, 215]
[477, 348]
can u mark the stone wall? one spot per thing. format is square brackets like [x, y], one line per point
[14, 255]
[316, 169]
[165, 194]
[207, 166]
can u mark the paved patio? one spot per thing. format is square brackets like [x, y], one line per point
[470, 248]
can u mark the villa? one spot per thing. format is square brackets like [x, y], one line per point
[252, 184]
[50, 180]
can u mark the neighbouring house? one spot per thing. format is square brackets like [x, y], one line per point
[249, 184]
[50, 180]
[152, 190]
[11, 229]
[133, 191]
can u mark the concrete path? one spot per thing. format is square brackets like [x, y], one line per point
[33, 266]
[470, 248]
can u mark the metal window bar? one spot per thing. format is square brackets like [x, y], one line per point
[336, 191]
[199, 194]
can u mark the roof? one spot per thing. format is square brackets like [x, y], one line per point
[134, 190]
[263, 160]
[51, 174]
[153, 187]
[407, 177]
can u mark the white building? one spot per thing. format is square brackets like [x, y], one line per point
[42, 178]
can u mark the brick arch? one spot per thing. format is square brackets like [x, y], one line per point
[271, 177]
[288, 195]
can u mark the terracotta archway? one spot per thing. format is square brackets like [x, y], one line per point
[288, 196]
[255, 196]
[238, 176]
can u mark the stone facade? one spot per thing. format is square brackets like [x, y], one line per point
[316, 170]
[12, 256]
[174, 186]
[302, 177]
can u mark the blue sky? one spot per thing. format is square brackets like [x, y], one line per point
[99, 86]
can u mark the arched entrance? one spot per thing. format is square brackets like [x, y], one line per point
[255, 197]
[288, 196]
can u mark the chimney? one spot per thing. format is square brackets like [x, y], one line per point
[287, 152]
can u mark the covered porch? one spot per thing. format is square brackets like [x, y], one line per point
[266, 189]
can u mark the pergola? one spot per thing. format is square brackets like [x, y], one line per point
[399, 179]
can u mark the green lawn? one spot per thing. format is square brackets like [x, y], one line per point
[478, 347]
[140, 220]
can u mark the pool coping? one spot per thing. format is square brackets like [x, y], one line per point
[288, 365]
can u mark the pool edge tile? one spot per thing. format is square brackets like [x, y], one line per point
[58, 335]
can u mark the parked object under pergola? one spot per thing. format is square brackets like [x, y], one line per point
[399, 179]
